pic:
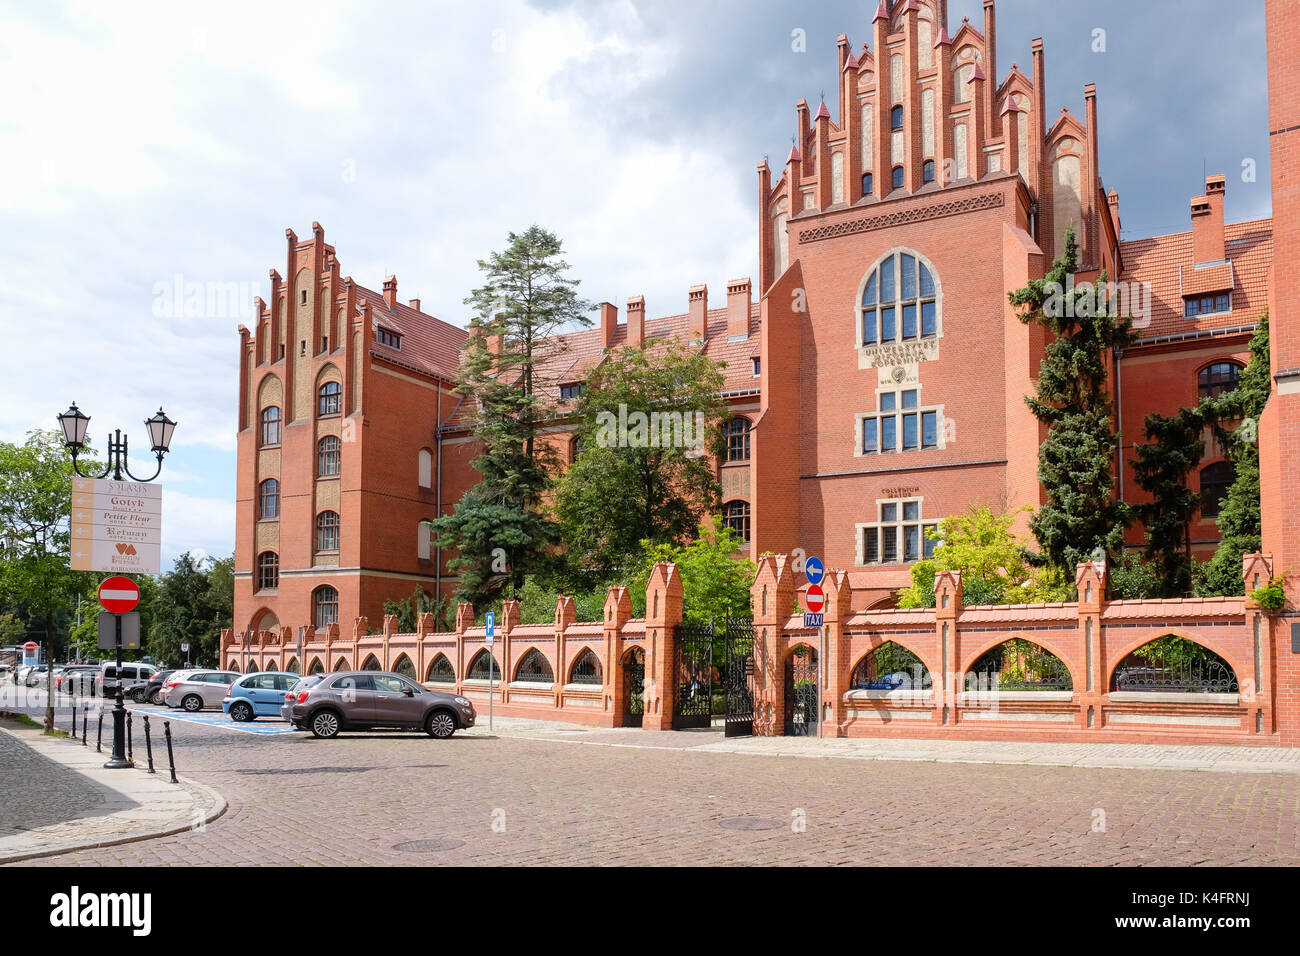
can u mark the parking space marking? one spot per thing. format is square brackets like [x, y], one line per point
[220, 719]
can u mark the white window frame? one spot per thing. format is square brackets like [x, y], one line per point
[859, 311]
[859, 444]
[880, 526]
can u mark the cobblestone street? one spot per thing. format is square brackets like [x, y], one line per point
[554, 795]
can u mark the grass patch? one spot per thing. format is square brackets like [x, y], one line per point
[29, 722]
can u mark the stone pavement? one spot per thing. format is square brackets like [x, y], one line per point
[56, 796]
[535, 793]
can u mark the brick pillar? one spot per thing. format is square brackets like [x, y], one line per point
[506, 623]
[1256, 571]
[663, 612]
[771, 597]
[1090, 686]
[424, 626]
[464, 621]
[390, 628]
[566, 613]
[948, 683]
[618, 610]
[839, 596]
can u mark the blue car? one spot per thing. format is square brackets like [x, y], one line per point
[258, 695]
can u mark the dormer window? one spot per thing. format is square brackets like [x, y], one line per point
[572, 392]
[388, 338]
[1207, 304]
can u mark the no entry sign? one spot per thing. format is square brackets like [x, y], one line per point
[815, 599]
[118, 595]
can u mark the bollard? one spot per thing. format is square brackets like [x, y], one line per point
[74, 719]
[99, 737]
[171, 757]
[130, 756]
[85, 723]
[148, 744]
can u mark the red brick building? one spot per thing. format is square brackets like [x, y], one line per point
[876, 374]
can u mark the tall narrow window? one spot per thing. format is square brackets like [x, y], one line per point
[1217, 379]
[896, 118]
[867, 184]
[325, 605]
[331, 398]
[927, 171]
[268, 499]
[898, 177]
[271, 425]
[328, 455]
[327, 531]
[268, 570]
[737, 431]
[1216, 479]
[735, 515]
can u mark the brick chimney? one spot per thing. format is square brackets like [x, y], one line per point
[738, 307]
[390, 291]
[699, 297]
[1207, 221]
[608, 322]
[415, 304]
[636, 321]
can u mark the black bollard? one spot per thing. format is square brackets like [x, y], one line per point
[130, 756]
[74, 718]
[99, 737]
[171, 757]
[85, 723]
[148, 744]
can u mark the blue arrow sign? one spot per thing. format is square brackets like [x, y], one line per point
[814, 570]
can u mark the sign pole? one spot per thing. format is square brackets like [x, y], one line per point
[118, 760]
[821, 682]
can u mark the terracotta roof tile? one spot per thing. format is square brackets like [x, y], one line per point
[428, 343]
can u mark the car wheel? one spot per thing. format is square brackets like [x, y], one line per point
[326, 723]
[156, 698]
[241, 712]
[440, 724]
[192, 703]
[137, 695]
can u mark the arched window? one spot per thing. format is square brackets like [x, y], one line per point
[575, 448]
[1173, 663]
[1217, 379]
[424, 540]
[889, 667]
[900, 301]
[328, 456]
[268, 498]
[1016, 665]
[737, 432]
[586, 669]
[404, 667]
[325, 605]
[327, 531]
[896, 118]
[898, 177]
[271, 425]
[292, 666]
[268, 570]
[316, 666]
[371, 663]
[534, 669]
[331, 398]
[478, 668]
[867, 184]
[735, 515]
[441, 671]
[425, 468]
[927, 171]
[1216, 479]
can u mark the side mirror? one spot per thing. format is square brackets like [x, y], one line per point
[408, 692]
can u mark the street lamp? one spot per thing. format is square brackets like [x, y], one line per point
[74, 423]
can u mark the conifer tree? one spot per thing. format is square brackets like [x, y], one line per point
[1076, 460]
[1174, 447]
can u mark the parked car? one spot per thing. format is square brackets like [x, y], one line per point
[132, 675]
[77, 679]
[152, 692]
[258, 695]
[286, 709]
[34, 674]
[193, 690]
[375, 700]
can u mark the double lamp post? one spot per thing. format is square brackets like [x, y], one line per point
[74, 423]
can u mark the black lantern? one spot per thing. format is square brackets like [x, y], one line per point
[74, 425]
[160, 431]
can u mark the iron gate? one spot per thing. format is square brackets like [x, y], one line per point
[801, 704]
[714, 676]
[738, 648]
[634, 688]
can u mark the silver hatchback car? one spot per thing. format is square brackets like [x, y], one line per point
[194, 690]
[375, 700]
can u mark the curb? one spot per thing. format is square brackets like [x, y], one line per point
[205, 806]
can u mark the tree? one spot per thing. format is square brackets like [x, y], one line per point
[408, 611]
[715, 582]
[1075, 462]
[1239, 515]
[1174, 447]
[193, 604]
[35, 508]
[994, 570]
[498, 528]
[650, 419]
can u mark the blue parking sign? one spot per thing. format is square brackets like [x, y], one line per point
[814, 570]
[491, 626]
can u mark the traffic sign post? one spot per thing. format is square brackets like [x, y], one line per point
[492, 664]
[119, 596]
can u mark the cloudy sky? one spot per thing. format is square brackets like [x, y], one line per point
[147, 146]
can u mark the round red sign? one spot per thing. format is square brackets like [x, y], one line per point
[30, 646]
[119, 595]
[815, 599]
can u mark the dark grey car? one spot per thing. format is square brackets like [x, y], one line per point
[375, 700]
